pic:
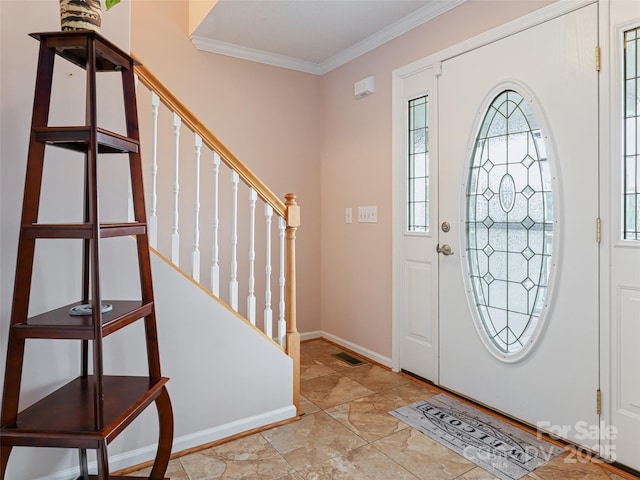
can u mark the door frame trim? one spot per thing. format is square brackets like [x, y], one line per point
[398, 137]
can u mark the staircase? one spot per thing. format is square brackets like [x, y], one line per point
[223, 248]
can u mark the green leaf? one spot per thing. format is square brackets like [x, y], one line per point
[111, 3]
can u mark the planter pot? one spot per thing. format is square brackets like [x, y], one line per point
[80, 15]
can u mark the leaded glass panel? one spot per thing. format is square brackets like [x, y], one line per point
[509, 222]
[631, 192]
[418, 166]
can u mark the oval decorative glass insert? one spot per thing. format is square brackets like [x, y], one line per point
[509, 224]
[507, 192]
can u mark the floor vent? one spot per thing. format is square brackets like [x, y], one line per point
[348, 358]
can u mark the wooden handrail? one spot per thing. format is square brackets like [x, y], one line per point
[167, 97]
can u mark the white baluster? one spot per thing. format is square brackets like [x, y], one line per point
[268, 314]
[195, 257]
[215, 267]
[153, 220]
[175, 237]
[282, 322]
[233, 283]
[251, 298]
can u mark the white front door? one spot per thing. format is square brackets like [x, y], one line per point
[523, 230]
[417, 292]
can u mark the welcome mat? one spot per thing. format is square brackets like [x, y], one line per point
[501, 449]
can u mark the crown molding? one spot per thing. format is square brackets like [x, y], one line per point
[394, 30]
[254, 55]
[387, 34]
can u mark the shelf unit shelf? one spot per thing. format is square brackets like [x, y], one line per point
[93, 409]
[83, 230]
[78, 139]
[108, 57]
[59, 324]
[47, 424]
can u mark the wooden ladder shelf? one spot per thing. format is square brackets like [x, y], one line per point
[91, 410]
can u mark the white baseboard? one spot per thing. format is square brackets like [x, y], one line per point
[311, 335]
[376, 357]
[185, 442]
[227, 430]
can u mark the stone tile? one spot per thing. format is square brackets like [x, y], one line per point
[248, 457]
[312, 440]
[292, 476]
[200, 466]
[318, 346]
[412, 392]
[478, 474]
[322, 352]
[332, 390]
[364, 463]
[314, 369]
[569, 466]
[317, 349]
[332, 444]
[307, 406]
[175, 471]
[375, 377]
[423, 457]
[369, 416]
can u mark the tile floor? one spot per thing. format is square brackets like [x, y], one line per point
[347, 433]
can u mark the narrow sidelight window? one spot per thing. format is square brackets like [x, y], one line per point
[631, 172]
[418, 166]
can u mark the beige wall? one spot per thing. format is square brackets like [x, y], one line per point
[356, 170]
[268, 116]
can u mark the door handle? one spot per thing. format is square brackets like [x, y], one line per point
[445, 249]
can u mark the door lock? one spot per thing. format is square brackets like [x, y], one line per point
[445, 249]
[445, 227]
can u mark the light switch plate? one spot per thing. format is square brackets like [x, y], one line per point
[368, 214]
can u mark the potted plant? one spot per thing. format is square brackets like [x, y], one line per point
[82, 14]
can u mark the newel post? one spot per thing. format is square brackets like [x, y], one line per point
[293, 336]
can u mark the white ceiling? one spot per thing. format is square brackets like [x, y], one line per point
[313, 36]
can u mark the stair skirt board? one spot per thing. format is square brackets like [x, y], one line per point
[186, 442]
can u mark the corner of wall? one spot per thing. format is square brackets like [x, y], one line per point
[198, 10]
